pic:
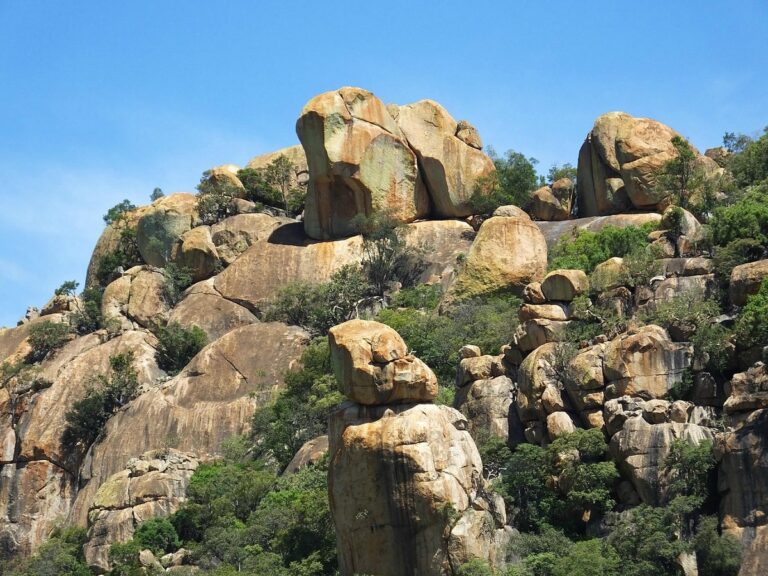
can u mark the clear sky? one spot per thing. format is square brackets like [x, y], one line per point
[101, 101]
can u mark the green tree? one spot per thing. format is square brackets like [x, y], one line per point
[215, 199]
[157, 193]
[752, 324]
[746, 219]
[556, 172]
[176, 279]
[589, 558]
[512, 182]
[67, 288]
[177, 345]
[716, 554]
[274, 185]
[301, 410]
[125, 255]
[158, 535]
[117, 212]
[45, 338]
[61, 554]
[749, 161]
[87, 318]
[680, 176]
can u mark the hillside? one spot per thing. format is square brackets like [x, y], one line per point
[391, 351]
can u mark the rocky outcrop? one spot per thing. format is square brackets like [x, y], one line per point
[552, 202]
[151, 486]
[212, 398]
[747, 391]
[136, 299]
[311, 452]
[359, 164]
[618, 163]
[403, 477]
[564, 285]
[746, 280]
[450, 158]
[161, 226]
[232, 236]
[641, 447]
[373, 366]
[553, 231]
[645, 363]
[507, 254]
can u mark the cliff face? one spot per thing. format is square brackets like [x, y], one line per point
[405, 473]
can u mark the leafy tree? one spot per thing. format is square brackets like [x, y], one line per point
[749, 161]
[124, 556]
[157, 193]
[301, 411]
[215, 199]
[589, 558]
[61, 554]
[273, 185]
[475, 567]
[126, 255]
[157, 535]
[117, 212]
[176, 279]
[105, 396]
[387, 257]
[745, 219]
[584, 249]
[88, 317]
[177, 346]
[752, 324]
[67, 288]
[512, 182]
[716, 554]
[680, 176]
[318, 307]
[45, 337]
[556, 172]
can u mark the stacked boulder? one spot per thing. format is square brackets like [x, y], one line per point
[618, 163]
[405, 475]
[553, 202]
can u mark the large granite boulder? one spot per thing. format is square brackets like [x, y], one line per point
[552, 202]
[234, 235]
[407, 479]
[359, 164]
[645, 363]
[161, 226]
[747, 391]
[487, 405]
[640, 448]
[450, 165]
[619, 161]
[507, 254]
[151, 486]
[373, 366]
[746, 280]
[553, 231]
[136, 299]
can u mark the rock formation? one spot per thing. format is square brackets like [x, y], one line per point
[403, 477]
[618, 164]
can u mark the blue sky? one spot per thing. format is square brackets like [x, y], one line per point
[101, 101]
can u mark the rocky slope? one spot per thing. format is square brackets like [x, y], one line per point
[405, 473]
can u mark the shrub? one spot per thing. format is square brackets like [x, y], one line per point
[215, 200]
[88, 318]
[745, 219]
[420, 297]
[104, 396]
[157, 193]
[177, 346]
[556, 172]
[584, 249]
[749, 164]
[300, 412]
[273, 185]
[176, 279]
[45, 337]
[716, 554]
[318, 307]
[157, 535]
[752, 324]
[62, 553]
[512, 182]
[126, 255]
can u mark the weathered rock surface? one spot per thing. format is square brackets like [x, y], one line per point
[204, 307]
[747, 391]
[645, 363]
[211, 399]
[359, 164]
[536, 372]
[743, 486]
[136, 299]
[373, 366]
[450, 166]
[552, 202]
[160, 227]
[746, 280]
[486, 405]
[232, 236]
[152, 486]
[640, 448]
[507, 254]
[198, 253]
[618, 164]
[564, 285]
[310, 453]
[408, 479]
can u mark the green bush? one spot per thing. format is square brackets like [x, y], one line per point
[118, 211]
[752, 324]
[176, 279]
[746, 219]
[584, 249]
[716, 554]
[125, 256]
[420, 297]
[88, 317]
[512, 182]
[749, 164]
[273, 185]
[301, 410]
[61, 554]
[177, 346]
[318, 307]
[67, 288]
[157, 535]
[45, 337]
[215, 200]
[104, 396]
